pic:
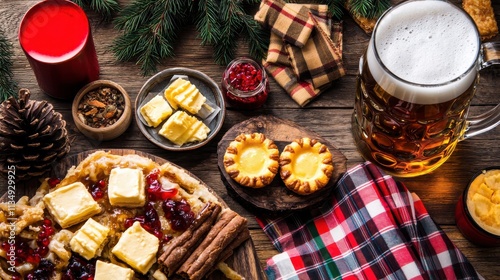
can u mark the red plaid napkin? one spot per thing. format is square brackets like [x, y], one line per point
[373, 228]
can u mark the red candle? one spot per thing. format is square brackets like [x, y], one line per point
[56, 38]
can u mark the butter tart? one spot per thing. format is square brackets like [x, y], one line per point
[252, 160]
[305, 166]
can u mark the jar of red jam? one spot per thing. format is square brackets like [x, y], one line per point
[245, 84]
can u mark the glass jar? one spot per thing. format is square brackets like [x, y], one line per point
[245, 84]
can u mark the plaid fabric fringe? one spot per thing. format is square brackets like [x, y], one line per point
[311, 65]
[373, 228]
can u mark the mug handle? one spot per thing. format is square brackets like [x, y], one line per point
[490, 55]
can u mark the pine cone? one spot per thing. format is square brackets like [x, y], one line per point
[32, 136]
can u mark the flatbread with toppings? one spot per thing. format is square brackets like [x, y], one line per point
[119, 217]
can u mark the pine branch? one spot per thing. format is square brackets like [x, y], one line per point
[150, 30]
[150, 27]
[368, 8]
[8, 87]
[335, 8]
[231, 22]
[207, 22]
[105, 8]
[257, 37]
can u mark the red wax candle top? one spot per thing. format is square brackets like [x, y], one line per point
[54, 31]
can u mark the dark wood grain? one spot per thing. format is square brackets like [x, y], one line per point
[328, 115]
[276, 197]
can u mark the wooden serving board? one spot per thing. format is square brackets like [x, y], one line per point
[244, 260]
[276, 197]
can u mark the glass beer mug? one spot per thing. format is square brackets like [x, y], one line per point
[415, 84]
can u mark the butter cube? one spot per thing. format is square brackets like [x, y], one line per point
[156, 110]
[137, 248]
[71, 204]
[186, 95]
[482, 204]
[126, 187]
[109, 271]
[200, 134]
[177, 86]
[492, 181]
[484, 190]
[89, 238]
[176, 126]
[495, 198]
[193, 105]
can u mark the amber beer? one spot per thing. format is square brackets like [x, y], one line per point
[417, 78]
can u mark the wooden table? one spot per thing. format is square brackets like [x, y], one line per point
[329, 115]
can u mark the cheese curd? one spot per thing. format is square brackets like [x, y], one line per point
[137, 248]
[126, 187]
[109, 271]
[156, 111]
[71, 204]
[89, 239]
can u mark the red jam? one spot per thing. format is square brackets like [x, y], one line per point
[245, 84]
[155, 191]
[150, 221]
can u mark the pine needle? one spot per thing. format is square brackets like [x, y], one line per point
[207, 22]
[150, 31]
[105, 8]
[8, 87]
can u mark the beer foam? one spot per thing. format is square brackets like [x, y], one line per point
[427, 43]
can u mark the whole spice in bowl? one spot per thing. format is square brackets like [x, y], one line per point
[101, 110]
[101, 107]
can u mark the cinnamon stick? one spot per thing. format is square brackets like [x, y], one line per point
[228, 251]
[180, 248]
[210, 254]
[225, 217]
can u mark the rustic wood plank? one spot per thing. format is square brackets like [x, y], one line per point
[328, 115]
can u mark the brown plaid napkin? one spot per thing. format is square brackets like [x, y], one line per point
[291, 25]
[304, 71]
[319, 60]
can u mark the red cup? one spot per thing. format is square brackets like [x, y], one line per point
[56, 38]
[470, 228]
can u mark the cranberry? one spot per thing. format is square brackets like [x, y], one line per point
[98, 189]
[179, 213]
[53, 182]
[150, 221]
[44, 271]
[245, 76]
[245, 84]
[152, 176]
[79, 268]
